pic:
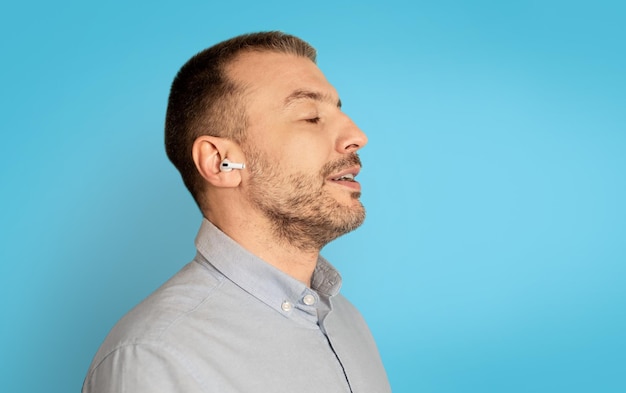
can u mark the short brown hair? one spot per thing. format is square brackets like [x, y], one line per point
[204, 101]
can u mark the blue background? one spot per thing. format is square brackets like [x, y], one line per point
[493, 256]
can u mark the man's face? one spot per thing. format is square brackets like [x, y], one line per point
[300, 149]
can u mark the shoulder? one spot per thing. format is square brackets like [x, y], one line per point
[345, 319]
[149, 334]
[142, 367]
[342, 306]
[176, 300]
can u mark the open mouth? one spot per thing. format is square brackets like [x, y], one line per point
[346, 177]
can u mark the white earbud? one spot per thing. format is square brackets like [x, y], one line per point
[227, 166]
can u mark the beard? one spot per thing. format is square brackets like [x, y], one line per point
[300, 209]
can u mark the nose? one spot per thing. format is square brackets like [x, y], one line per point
[351, 137]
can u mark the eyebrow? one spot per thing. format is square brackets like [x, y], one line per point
[298, 95]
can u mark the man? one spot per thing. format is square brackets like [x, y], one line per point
[261, 143]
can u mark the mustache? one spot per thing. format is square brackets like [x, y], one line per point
[343, 163]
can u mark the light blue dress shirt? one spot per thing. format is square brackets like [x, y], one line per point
[230, 322]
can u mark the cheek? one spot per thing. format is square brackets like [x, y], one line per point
[293, 147]
[305, 154]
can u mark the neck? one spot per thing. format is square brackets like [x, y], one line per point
[256, 235]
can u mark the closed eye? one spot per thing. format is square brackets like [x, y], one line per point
[313, 120]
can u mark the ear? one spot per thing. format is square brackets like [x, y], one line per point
[208, 152]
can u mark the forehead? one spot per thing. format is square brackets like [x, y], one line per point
[279, 77]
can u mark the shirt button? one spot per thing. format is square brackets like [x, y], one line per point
[309, 300]
[286, 306]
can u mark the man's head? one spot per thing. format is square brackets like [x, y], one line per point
[278, 113]
[205, 101]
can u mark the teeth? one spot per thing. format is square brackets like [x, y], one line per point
[349, 176]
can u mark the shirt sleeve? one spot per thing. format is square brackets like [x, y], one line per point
[143, 368]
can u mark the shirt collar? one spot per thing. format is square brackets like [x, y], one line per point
[273, 287]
